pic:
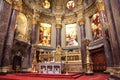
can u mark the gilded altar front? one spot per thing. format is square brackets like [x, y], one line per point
[71, 60]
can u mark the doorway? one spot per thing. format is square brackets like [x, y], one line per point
[98, 58]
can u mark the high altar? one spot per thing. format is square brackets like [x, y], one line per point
[59, 61]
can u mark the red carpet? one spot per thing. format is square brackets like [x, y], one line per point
[35, 76]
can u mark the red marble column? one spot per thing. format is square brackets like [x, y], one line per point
[114, 41]
[83, 36]
[5, 13]
[58, 34]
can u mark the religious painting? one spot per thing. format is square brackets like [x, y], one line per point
[45, 34]
[70, 4]
[71, 35]
[96, 27]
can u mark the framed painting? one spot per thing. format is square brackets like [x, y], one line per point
[96, 26]
[70, 36]
[45, 34]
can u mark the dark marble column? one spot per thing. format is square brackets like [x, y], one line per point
[33, 40]
[58, 34]
[107, 46]
[83, 36]
[9, 39]
[115, 6]
[34, 24]
[113, 33]
[5, 13]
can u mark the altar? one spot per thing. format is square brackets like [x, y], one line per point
[51, 67]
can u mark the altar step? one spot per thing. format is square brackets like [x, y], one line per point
[68, 76]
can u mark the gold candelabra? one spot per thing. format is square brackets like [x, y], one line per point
[88, 62]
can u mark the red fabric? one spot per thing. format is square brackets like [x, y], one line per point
[24, 77]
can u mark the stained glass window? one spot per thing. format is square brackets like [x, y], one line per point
[45, 34]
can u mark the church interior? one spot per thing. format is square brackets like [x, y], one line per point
[67, 38]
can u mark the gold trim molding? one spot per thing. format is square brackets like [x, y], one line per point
[100, 6]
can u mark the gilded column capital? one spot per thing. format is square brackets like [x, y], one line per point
[17, 4]
[81, 21]
[34, 20]
[9, 1]
[58, 25]
[100, 5]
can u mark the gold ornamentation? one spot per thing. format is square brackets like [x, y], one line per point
[23, 37]
[58, 26]
[90, 11]
[81, 21]
[34, 21]
[17, 4]
[9, 1]
[34, 62]
[69, 20]
[100, 6]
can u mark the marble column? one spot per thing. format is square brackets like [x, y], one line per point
[58, 34]
[107, 46]
[10, 33]
[116, 15]
[9, 39]
[34, 24]
[33, 40]
[5, 13]
[113, 32]
[83, 36]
